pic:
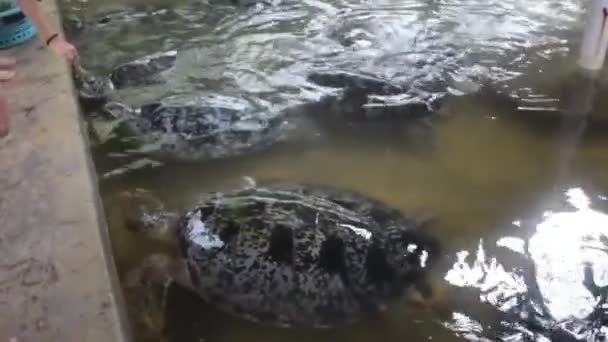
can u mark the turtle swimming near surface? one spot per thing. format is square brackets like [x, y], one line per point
[289, 255]
[197, 132]
[142, 71]
[366, 98]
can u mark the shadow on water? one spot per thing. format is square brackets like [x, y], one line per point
[518, 181]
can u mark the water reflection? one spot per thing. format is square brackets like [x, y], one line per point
[264, 53]
[557, 291]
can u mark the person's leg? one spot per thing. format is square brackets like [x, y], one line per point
[4, 118]
[7, 73]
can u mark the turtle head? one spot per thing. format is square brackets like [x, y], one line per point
[92, 88]
[118, 110]
[141, 212]
[403, 260]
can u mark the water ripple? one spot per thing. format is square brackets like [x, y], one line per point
[263, 50]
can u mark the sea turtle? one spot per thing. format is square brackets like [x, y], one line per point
[366, 98]
[143, 71]
[369, 98]
[196, 132]
[372, 107]
[288, 255]
[344, 79]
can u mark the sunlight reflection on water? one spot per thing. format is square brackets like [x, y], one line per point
[563, 242]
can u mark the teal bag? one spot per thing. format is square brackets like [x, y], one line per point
[15, 28]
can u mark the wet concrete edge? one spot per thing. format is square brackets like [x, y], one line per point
[58, 280]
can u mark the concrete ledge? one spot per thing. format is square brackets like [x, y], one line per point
[57, 275]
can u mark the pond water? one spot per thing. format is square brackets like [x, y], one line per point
[519, 196]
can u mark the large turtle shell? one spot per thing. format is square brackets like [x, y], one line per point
[301, 255]
[191, 132]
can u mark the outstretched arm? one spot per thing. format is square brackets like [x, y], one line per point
[52, 38]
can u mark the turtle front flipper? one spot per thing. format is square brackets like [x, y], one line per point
[155, 275]
[147, 288]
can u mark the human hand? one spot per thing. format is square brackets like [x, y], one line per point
[65, 50]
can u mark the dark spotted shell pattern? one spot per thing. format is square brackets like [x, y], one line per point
[301, 255]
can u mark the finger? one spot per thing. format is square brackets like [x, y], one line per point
[7, 75]
[69, 56]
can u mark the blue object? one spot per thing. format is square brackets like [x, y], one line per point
[15, 28]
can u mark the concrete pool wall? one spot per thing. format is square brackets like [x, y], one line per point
[57, 276]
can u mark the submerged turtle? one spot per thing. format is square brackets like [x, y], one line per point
[368, 99]
[289, 255]
[371, 107]
[142, 71]
[192, 132]
[343, 79]
[371, 99]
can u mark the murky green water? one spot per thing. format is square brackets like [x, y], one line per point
[495, 179]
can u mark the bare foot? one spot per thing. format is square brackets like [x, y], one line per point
[4, 118]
